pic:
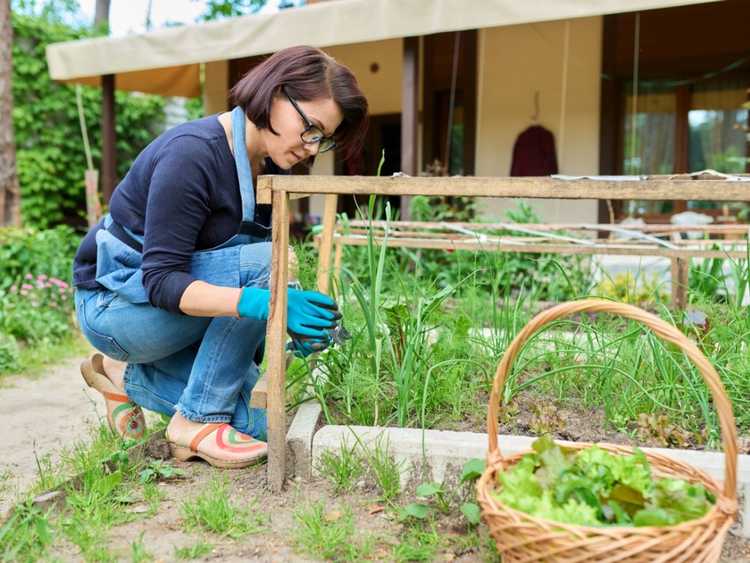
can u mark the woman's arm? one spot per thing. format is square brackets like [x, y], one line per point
[201, 299]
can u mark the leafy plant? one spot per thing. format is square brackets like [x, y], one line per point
[158, 470]
[592, 487]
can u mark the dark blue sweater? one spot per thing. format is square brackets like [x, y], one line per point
[183, 195]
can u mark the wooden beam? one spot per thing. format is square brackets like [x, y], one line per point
[512, 244]
[109, 137]
[409, 113]
[275, 343]
[659, 188]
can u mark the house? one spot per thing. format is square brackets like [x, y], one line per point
[625, 86]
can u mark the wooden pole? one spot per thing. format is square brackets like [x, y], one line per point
[326, 242]
[93, 207]
[109, 137]
[275, 342]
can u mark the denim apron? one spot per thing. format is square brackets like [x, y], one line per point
[118, 264]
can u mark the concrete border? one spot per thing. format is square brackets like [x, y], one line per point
[299, 439]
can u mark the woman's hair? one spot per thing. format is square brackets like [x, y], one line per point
[306, 74]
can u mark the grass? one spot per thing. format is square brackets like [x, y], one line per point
[329, 534]
[214, 511]
[195, 551]
[342, 469]
[34, 360]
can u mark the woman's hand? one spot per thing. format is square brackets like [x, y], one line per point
[310, 314]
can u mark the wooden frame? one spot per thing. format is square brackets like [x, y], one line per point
[278, 190]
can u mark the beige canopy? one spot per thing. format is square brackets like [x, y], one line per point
[167, 61]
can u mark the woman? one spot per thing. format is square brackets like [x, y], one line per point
[172, 285]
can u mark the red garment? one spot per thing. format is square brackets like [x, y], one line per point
[534, 153]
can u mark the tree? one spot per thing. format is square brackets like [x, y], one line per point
[217, 9]
[10, 193]
[101, 16]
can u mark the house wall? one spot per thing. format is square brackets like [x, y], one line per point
[382, 88]
[516, 61]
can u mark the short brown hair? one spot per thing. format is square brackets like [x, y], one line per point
[306, 74]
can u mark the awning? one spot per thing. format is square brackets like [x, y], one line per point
[166, 61]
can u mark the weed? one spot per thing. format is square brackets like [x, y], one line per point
[138, 551]
[153, 497]
[344, 469]
[329, 535]
[213, 511]
[195, 551]
[386, 471]
[419, 543]
[26, 535]
[158, 470]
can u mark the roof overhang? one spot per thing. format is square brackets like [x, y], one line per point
[167, 61]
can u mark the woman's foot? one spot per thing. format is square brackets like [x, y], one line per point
[106, 376]
[217, 443]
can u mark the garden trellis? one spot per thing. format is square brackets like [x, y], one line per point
[278, 190]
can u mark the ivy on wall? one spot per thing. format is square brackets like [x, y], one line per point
[50, 157]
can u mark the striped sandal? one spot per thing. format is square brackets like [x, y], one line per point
[124, 417]
[227, 439]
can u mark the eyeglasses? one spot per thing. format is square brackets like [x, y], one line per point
[312, 133]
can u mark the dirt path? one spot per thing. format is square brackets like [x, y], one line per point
[39, 417]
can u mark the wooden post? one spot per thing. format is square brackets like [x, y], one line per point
[409, 114]
[337, 260]
[680, 269]
[93, 207]
[326, 242]
[109, 138]
[681, 139]
[275, 342]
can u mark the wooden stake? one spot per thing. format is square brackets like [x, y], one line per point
[93, 207]
[275, 341]
[326, 242]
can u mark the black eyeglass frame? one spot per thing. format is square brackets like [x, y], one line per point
[309, 125]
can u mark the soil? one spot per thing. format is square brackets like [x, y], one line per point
[39, 418]
[164, 533]
[533, 414]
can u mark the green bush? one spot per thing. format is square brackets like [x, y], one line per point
[9, 353]
[36, 252]
[50, 156]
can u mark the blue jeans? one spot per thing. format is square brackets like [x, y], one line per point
[202, 367]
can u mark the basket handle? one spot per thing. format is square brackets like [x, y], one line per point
[663, 330]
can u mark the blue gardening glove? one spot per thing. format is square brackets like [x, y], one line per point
[309, 314]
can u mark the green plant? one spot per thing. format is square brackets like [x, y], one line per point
[158, 470]
[385, 470]
[9, 354]
[330, 534]
[195, 551]
[26, 535]
[627, 289]
[138, 551]
[419, 543]
[32, 252]
[213, 511]
[592, 487]
[342, 469]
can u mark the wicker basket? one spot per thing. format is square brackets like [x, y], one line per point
[522, 537]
